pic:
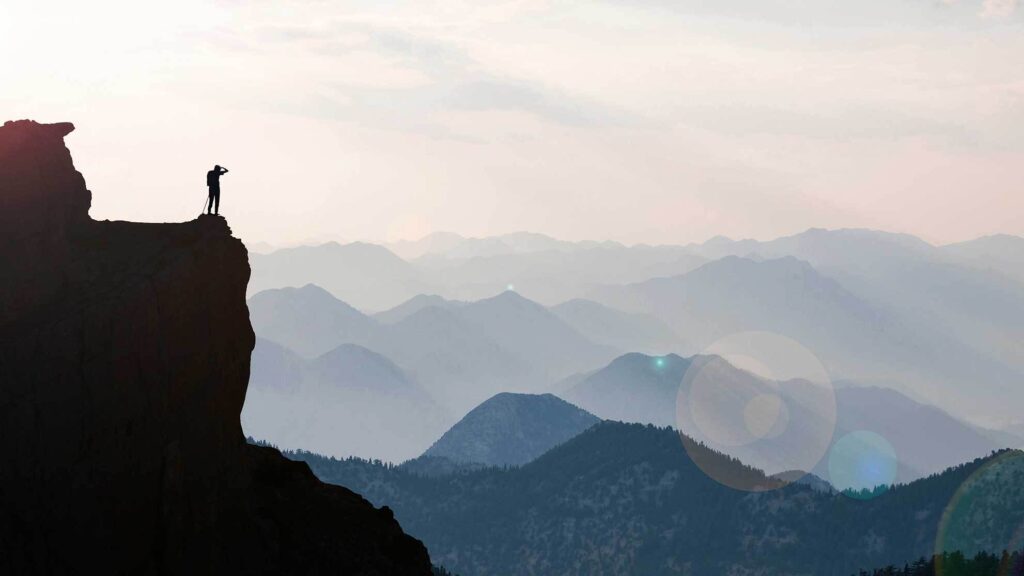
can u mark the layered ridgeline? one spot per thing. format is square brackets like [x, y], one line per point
[124, 359]
[460, 352]
[939, 324]
[422, 364]
[374, 278]
[627, 499]
[879, 308]
[349, 401]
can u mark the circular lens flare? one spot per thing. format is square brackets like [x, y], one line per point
[986, 513]
[760, 398]
[862, 465]
[762, 413]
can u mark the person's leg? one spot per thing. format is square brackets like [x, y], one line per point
[209, 203]
[216, 199]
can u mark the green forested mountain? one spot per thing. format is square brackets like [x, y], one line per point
[627, 499]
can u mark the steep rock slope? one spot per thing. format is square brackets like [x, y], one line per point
[124, 357]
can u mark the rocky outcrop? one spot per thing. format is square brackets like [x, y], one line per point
[124, 359]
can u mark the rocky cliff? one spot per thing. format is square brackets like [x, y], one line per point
[124, 359]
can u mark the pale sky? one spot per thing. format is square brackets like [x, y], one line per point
[659, 121]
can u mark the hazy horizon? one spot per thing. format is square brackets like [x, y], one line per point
[651, 122]
[316, 241]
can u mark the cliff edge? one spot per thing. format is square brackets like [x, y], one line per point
[124, 360]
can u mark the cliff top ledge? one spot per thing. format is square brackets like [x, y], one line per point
[124, 363]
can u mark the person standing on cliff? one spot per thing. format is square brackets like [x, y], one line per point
[213, 182]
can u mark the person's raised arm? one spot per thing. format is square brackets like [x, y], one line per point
[223, 170]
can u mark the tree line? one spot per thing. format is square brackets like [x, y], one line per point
[956, 564]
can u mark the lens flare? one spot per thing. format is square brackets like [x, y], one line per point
[863, 465]
[986, 513]
[762, 413]
[761, 398]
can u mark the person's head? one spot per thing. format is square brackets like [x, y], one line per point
[216, 166]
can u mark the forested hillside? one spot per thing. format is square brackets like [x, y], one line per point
[627, 499]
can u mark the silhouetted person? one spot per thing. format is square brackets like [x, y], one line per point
[213, 181]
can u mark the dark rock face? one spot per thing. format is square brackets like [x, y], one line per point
[124, 358]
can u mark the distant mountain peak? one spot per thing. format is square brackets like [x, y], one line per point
[512, 301]
[430, 313]
[510, 296]
[511, 429]
[312, 289]
[307, 295]
[414, 305]
[649, 361]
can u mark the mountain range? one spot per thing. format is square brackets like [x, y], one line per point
[963, 319]
[373, 278]
[940, 324]
[366, 274]
[855, 337]
[919, 346]
[999, 253]
[348, 401]
[460, 352]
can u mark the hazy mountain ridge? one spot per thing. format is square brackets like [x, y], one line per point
[856, 338]
[633, 388]
[926, 440]
[465, 351]
[373, 278]
[620, 330]
[454, 246]
[554, 276]
[348, 401]
[309, 320]
[511, 430]
[1001, 253]
[929, 287]
[367, 275]
[643, 389]
[462, 353]
[414, 305]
